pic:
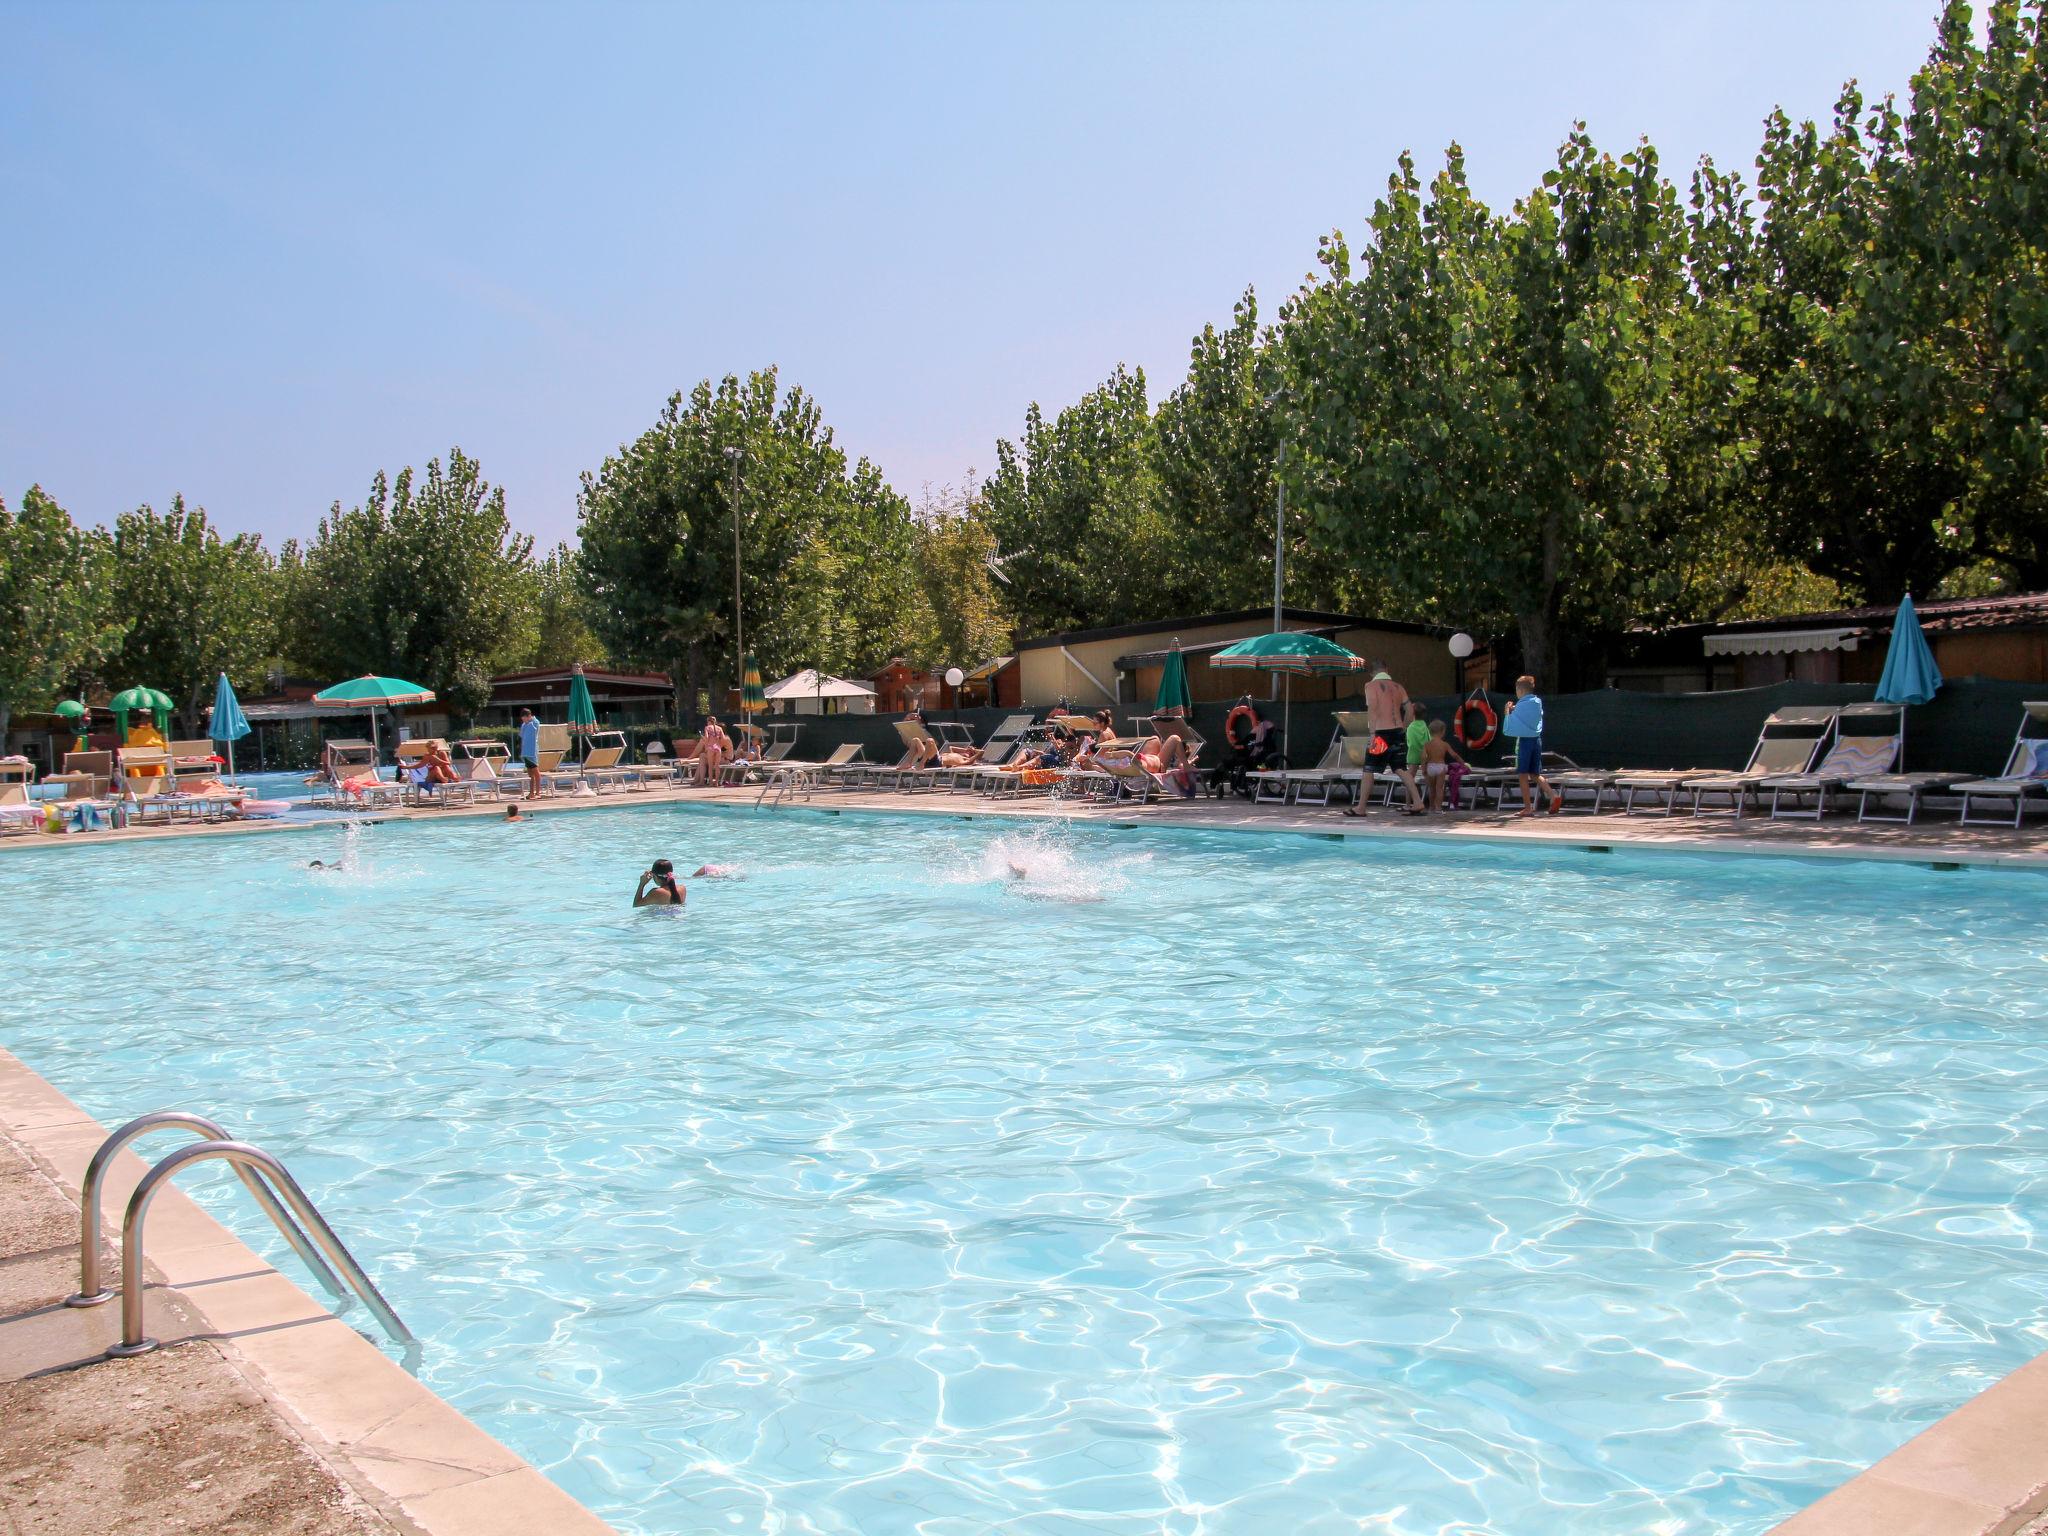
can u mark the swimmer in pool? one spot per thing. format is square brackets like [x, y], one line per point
[512, 813]
[716, 872]
[659, 887]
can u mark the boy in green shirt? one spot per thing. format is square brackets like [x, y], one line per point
[1417, 733]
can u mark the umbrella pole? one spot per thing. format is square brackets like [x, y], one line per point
[1287, 714]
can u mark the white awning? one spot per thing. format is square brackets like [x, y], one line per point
[1784, 642]
[807, 684]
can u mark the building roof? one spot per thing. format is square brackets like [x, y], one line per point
[1299, 618]
[590, 674]
[1938, 616]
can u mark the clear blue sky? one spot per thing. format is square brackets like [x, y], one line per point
[255, 251]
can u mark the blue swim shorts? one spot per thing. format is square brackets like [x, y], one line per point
[1528, 754]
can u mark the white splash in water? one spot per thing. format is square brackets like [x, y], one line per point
[1041, 865]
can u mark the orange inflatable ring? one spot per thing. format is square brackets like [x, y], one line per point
[1242, 712]
[1489, 723]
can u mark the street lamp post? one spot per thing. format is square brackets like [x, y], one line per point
[739, 621]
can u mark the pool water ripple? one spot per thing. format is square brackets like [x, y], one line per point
[930, 1178]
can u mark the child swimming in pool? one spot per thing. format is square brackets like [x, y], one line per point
[717, 872]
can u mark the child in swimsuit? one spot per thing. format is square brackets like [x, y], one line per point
[1437, 756]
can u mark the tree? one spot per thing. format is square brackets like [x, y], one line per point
[426, 582]
[198, 605]
[825, 549]
[56, 590]
[1076, 511]
[1899, 273]
[964, 619]
[563, 633]
[1480, 405]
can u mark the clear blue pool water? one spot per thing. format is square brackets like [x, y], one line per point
[1191, 1183]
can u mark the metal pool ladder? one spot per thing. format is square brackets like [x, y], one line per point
[785, 783]
[269, 1183]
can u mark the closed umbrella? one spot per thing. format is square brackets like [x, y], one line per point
[373, 694]
[228, 724]
[1293, 652]
[753, 698]
[582, 713]
[1172, 698]
[1910, 675]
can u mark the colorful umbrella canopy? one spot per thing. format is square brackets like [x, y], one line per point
[371, 693]
[753, 698]
[152, 701]
[228, 724]
[1172, 698]
[1293, 651]
[1910, 675]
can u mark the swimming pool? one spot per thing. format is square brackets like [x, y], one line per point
[1193, 1182]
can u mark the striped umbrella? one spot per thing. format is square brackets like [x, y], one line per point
[373, 693]
[753, 698]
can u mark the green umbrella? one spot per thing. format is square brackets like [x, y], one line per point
[753, 698]
[156, 702]
[582, 713]
[1173, 697]
[370, 693]
[1294, 652]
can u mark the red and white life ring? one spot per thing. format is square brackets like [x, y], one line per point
[1488, 720]
[1245, 714]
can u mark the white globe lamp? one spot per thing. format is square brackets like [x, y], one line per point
[1461, 645]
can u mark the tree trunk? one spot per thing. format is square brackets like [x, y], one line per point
[1539, 649]
[6, 718]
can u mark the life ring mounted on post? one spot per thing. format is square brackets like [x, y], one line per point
[1245, 714]
[1481, 736]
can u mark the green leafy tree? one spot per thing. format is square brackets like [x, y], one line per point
[1480, 404]
[56, 590]
[563, 633]
[1899, 275]
[1077, 514]
[425, 580]
[826, 548]
[198, 605]
[964, 619]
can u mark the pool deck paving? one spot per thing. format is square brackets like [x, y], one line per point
[395, 1452]
[263, 1413]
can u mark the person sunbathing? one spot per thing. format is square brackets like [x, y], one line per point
[1160, 756]
[440, 769]
[713, 749]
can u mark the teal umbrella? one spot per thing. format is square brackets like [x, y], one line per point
[373, 693]
[1910, 675]
[75, 713]
[1294, 652]
[1172, 698]
[228, 724]
[582, 713]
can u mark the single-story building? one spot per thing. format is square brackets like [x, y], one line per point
[620, 698]
[1120, 666]
[1993, 637]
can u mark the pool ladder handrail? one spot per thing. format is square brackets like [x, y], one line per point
[266, 1179]
[785, 783]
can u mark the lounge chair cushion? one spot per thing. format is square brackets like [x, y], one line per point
[1854, 758]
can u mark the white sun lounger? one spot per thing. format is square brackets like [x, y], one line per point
[1869, 739]
[2026, 771]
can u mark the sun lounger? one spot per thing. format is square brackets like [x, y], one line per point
[486, 766]
[1002, 744]
[2026, 771]
[87, 774]
[603, 765]
[1342, 766]
[1501, 781]
[1789, 743]
[417, 789]
[1913, 788]
[1869, 739]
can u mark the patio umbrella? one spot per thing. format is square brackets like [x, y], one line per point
[1910, 675]
[753, 698]
[1294, 653]
[1172, 698]
[153, 701]
[373, 693]
[582, 713]
[228, 724]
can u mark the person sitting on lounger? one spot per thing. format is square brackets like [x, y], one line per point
[1161, 756]
[713, 749]
[1105, 729]
[659, 887]
[439, 769]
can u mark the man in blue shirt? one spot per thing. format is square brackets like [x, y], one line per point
[1525, 724]
[529, 751]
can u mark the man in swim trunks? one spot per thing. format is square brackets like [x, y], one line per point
[1385, 701]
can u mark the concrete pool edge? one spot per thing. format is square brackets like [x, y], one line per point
[404, 1448]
